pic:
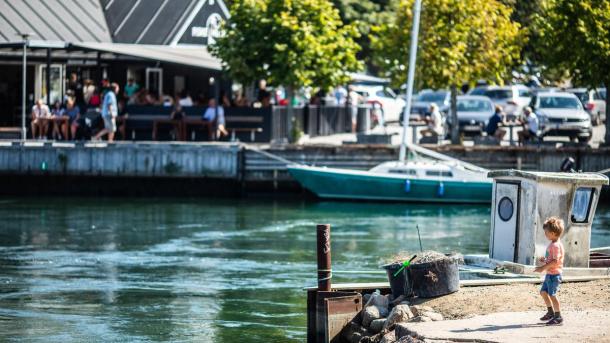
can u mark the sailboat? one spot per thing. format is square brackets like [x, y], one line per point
[425, 176]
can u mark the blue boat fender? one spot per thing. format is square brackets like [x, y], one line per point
[441, 189]
[407, 186]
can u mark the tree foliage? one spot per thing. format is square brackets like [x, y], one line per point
[575, 36]
[292, 43]
[460, 41]
[364, 14]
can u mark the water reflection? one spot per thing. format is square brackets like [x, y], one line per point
[193, 270]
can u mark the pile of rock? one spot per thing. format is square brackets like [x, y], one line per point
[385, 321]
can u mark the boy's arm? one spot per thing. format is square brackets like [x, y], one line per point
[547, 266]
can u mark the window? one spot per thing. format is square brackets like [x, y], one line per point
[500, 94]
[505, 209]
[525, 93]
[403, 171]
[447, 174]
[560, 102]
[582, 205]
[471, 105]
[436, 97]
[433, 173]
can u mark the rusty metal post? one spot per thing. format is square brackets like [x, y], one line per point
[324, 270]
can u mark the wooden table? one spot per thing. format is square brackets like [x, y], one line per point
[197, 122]
[414, 124]
[177, 124]
[511, 126]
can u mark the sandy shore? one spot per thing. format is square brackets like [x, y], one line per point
[471, 301]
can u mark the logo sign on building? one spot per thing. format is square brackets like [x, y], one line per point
[203, 25]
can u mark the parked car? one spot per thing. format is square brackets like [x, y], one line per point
[593, 102]
[562, 114]
[420, 107]
[512, 98]
[473, 113]
[391, 106]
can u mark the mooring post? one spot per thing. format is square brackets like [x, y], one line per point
[324, 269]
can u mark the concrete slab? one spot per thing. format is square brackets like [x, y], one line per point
[522, 327]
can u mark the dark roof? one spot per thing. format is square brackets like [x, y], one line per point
[53, 20]
[161, 22]
[157, 21]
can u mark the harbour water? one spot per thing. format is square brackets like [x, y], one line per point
[74, 270]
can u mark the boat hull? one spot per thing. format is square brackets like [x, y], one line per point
[355, 185]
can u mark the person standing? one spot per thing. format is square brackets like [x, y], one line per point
[353, 100]
[76, 88]
[110, 111]
[131, 88]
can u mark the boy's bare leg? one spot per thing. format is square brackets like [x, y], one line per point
[546, 298]
[555, 302]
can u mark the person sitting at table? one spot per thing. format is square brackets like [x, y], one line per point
[530, 126]
[40, 119]
[57, 113]
[493, 126]
[73, 113]
[434, 122]
[210, 115]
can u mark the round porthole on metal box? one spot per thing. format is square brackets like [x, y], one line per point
[505, 209]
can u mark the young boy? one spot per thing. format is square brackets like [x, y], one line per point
[553, 264]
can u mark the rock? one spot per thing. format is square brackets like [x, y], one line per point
[377, 325]
[401, 330]
[366, 298]
[420, 319]
[436, 317]
[378, 300]
[371, 313]
[353, 332]
[398, 300]
[409, 339]
[417, 309]
[388, 338]
[400, 313]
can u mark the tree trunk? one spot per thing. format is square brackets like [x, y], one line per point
[607, 136]
[455, 126]
[289, 114]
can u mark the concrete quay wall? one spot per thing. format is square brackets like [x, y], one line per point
[122, 160]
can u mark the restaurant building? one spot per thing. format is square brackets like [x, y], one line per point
[161, 44]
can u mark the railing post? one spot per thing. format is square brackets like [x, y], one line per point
[324, 269]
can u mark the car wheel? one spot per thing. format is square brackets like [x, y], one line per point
[584, 139]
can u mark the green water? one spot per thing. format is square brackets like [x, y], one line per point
[75, 270]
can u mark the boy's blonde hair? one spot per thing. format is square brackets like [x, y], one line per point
[554, 225]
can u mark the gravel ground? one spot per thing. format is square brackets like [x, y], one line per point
[471, 301]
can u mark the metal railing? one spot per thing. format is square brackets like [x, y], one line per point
[318, 120]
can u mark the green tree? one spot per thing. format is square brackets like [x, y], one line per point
[293, 43]
[364, 14]
[575, 36]
[460, 41]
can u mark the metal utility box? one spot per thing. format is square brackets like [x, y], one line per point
[522, 201]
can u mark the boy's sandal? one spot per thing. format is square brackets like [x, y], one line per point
[547, 316]
[555, 321]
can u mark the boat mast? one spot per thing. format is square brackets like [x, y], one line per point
[410, 77]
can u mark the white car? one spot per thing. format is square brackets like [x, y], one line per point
[382, 96]
[562, 114]
[512, 98]
[594, 102]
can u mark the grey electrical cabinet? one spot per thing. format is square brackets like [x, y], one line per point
[523, 200]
